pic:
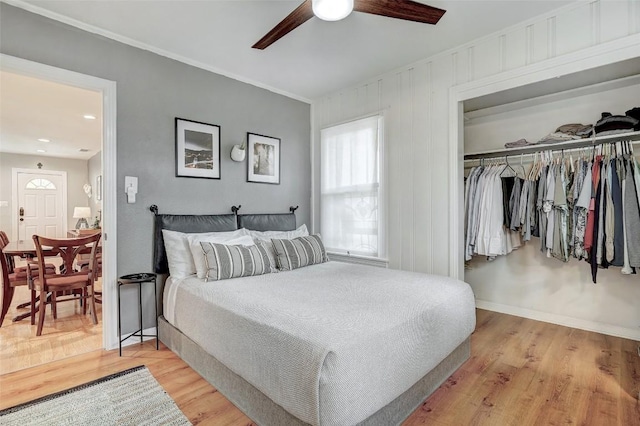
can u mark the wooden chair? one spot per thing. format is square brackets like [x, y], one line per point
[83, 265]
[67, 280]
[9, 281]
[14, 276]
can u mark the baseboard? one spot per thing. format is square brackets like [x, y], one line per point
[150, 332]
[608, 329]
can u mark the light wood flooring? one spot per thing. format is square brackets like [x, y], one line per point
[521, 372]
[72, 333]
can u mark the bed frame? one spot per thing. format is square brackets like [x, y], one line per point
[256, 405]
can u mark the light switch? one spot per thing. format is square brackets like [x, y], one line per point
[4, 203]
[131, 188]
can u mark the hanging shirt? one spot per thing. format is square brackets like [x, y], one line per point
[618, 227]
[507, 189]
[471, 192]
[594, 235]
[559, 248]
[581, 209]
[595, 181]
[514, 204]
[491, 234]
[599, 239]
[608, 217]
[548, 207]
[632, 217]
[542, 216]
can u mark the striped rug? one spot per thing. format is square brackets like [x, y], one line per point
[131, 397]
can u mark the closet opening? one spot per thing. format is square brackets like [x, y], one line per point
[532, 278]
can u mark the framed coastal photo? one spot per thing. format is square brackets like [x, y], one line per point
[197, 149]
[263, 165]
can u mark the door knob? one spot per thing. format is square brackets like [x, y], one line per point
[21, 214]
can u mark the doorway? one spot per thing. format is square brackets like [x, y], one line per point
[107, 161]
[40, 205]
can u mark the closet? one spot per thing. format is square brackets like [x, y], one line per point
[527, 281]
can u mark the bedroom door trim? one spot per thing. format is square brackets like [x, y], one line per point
[109, 215]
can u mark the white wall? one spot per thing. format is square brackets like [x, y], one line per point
[534, 122]
[76, 177]
[415, 101]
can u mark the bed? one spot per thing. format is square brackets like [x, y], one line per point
[327, 344]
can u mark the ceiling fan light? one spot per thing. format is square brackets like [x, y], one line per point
[332, 10]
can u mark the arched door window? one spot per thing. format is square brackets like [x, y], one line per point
[40, 183]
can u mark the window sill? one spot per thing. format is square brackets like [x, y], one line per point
[359, 260]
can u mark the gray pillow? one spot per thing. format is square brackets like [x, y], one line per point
[232, 261]
[299, 252]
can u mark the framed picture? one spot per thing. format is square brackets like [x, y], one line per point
[99, 188]
[263, 164]
[197, 149]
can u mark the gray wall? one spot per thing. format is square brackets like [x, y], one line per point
[76, 178]
[94, 169]
[152, 91]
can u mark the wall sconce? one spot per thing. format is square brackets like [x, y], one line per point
[239, 152]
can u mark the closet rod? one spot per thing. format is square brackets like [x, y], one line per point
[531, 154]
[633, 137]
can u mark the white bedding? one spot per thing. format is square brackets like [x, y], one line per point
[330, 343]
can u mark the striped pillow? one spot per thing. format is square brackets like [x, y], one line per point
[271, 253]
[232, 261]
[299, 252]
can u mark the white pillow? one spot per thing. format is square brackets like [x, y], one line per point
[280, 235]
[179, 255]
[198, 254]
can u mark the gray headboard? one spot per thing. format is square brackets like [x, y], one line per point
[212, 223]
[186, 223]
[268, 222]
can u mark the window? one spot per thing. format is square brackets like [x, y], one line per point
[352, 206]
[40, 183]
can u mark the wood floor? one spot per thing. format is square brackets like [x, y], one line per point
[72, 333]
[521, 372]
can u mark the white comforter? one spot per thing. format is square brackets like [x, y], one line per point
[330, 343]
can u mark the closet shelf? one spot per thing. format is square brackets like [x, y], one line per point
[579, 143]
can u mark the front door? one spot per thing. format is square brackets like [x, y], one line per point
[40, 203]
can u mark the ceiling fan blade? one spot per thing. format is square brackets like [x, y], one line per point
[302, 14]
[400, 9]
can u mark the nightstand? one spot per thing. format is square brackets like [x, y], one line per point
[138, 279]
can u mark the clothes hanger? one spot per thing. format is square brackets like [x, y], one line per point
[506, 159]
[524, 173]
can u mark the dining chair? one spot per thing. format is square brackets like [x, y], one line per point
[83, 265]
[67, 280]
[13, 276]
[9, 281]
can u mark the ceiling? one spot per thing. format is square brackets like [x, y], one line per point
[32, 109]
[315, 59]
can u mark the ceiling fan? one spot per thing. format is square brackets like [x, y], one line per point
[334, 10]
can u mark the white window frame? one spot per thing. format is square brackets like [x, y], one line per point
[381, 259]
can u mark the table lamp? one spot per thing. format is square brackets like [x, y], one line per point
[82, 213]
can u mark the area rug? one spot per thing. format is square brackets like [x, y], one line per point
[131, 397]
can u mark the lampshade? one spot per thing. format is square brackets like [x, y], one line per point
[332, 10]
[81, 212]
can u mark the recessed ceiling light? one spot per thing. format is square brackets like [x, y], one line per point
[89, 116]
[43, 140]
[83, 150]
[41, 150]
